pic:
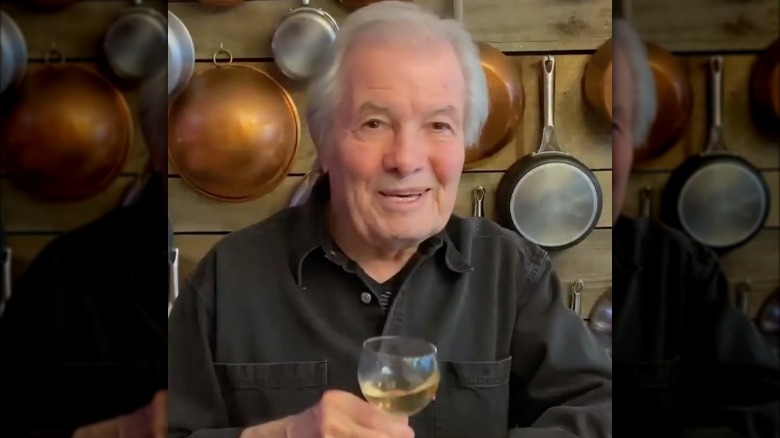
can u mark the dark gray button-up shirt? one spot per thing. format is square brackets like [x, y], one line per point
[275, 314]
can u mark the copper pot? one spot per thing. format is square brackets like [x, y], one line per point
[67, 135]
[507, 103]
[506, 96]
[233, 132]
[765, 83]
[675, 103]
[597, 81]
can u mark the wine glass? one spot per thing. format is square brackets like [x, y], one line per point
[398, 375]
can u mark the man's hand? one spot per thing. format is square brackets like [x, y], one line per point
[151, 421]
[337, 415]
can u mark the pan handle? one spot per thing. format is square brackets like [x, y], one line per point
[173, 288]
[716, 105]
[742, 296]
[479, 198]
[6, 291]
[576, 296]
[646, 201]
[549, 141]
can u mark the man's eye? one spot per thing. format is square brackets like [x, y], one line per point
[438, 126]
[373, 124]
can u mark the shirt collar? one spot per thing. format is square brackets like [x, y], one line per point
[310, 234]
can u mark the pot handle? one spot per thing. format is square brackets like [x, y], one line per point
[6, 286]
[646, 201]
[575, 302]
[549, 141]
[173, 287]
[457, 10]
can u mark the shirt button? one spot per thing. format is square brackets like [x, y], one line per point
[365, 297]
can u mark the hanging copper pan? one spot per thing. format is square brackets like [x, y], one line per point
[233, 132]
[765, 84]
[597, 81]
[507, 100]
[67, 133]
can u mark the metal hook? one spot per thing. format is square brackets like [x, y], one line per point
[54, 51]
[742, 298]
[225, 51]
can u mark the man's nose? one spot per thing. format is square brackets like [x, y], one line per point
[406, 154]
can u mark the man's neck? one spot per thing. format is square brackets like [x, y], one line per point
[380, 260]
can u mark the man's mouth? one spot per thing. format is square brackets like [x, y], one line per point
[405, 193]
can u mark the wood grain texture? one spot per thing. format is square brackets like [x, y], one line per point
[579, 130]
[192, 212]
[534, 25]
[742, 134]
[704, 25]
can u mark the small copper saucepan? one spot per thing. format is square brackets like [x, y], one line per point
[233, 132]
[67, 132]
[765, 84]
[507, 100]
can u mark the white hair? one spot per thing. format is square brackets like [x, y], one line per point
[644, 85]
[396, 21]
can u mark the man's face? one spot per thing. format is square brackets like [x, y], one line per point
[622, 127]
[397, 149]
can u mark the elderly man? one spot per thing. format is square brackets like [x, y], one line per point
[687, 363]
[265, 337]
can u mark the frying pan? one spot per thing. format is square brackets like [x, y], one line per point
[716, 197]
[549, 197]
[765, 84]
[13, 53]
[133, 44]
[507, 100]
[181, 55]
[299, 40]
[233, 132]
[67, 136]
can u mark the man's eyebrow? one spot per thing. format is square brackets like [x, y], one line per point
[370, 107]
[448, 110]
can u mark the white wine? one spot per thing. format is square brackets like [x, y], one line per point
[401, 401]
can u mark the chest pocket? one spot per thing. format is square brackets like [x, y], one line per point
[473, 399]
[260, 392]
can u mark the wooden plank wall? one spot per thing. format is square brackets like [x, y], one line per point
[738, 31]
[571, 31]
